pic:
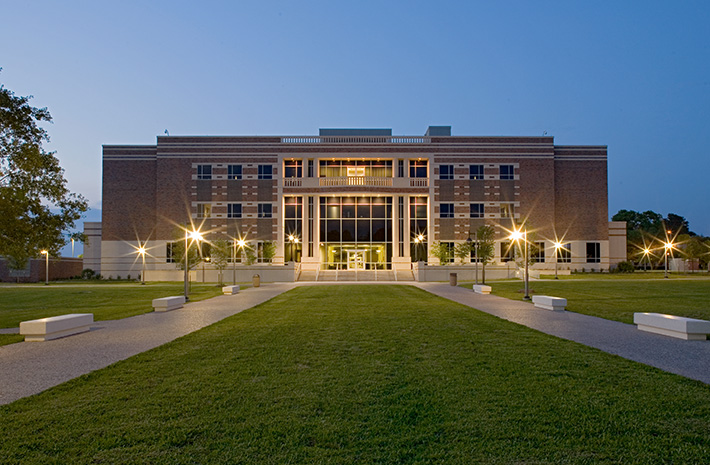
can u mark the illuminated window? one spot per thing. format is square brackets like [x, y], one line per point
[293, 169]
[506, 210]
[418, 168]
[204, 210]
[234, 172]
[475, 172]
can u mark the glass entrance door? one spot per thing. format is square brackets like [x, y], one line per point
[356, 260]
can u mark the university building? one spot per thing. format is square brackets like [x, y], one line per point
[352, 200]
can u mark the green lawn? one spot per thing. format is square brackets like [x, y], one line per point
[364, 374]
[618, 299]
[105, 301]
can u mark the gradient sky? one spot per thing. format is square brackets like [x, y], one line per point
[632, 75]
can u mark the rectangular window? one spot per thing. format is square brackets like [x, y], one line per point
[204, 171]
[310, 168]
[265, 172]
[537, 252]
[446, 172]
[507, 172]
[507, 210]
[475, 172]
[418, 168]
[170, 252]
[400, 168]
[476, 210]
[293, 169]
[234, 171]
[564, 253]
[446, 210]
[507, 251]
[451, 246]
[204, 210]
[264, 210]
[594, 252]
[234, 210]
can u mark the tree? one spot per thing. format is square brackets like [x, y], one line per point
[268, 251]
[677, 225]
[35, 203]
[220, 254]
[463, 250]
[485, 235]
[442, 251]
[194, 255]
[694, 248]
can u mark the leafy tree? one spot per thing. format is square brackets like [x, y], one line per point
[485, 235]
[220, 254]
[677, 225]
[35, 203]
[463, 250]
[442, 251]
[194, 255]
[693, 248]
[268, 251]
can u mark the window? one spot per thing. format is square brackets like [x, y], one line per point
[475, 172]
[450, 246]
[537, 252]
[264, 210]
[594, 253]
[310, 168]
[447, 210]
[506, 210]
[234, 210]
[204, 171]
[293, 169]
[400, 168]
[265, 172]
[507, 172]
[234, 171]
[507, 251]
[418, 168]
[564, 253]
[476, 210]
[204, 210]
[170, 252]
[446, 172]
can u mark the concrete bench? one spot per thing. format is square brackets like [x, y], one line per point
[53, 327]
[165, 304]
[549, 303]
[230, 290]
[482, 289]
[689, 329]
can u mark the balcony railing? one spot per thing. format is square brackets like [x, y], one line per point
[293, 182]
[418, 182]
[356, 181]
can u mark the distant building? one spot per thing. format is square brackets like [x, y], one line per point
[354, 199]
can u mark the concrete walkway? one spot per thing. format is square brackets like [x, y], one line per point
[27, 368]
[686, 358]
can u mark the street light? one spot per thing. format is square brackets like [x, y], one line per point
[141, 251]
[646, 254]
[517, 235]
[558, 246]
[195, 236]
[46, 266]
[668, 246]
[292, 240]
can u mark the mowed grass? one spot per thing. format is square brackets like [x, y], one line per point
[364, 374]
[618, 299]
[105, 301]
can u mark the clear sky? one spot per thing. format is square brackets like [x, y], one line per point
[632, 75]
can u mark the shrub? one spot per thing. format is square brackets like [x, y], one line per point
[87, 273]
[625, 267]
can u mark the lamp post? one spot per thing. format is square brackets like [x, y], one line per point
[558, 246]
[517, 236]
[234, 263]
[46, 266]
[667, 246]
[141, 250]
[292, 240]
[195, 236]
[646, 254]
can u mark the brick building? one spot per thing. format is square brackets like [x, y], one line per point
[354, 199]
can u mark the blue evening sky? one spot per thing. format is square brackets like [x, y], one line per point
[633, 75]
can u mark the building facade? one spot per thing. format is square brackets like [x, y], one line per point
[353, 199]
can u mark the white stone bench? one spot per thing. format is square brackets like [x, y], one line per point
[689, 329]
[165, 304]
[549, 303]
[482, 289]
[53, 327]
[230, 290]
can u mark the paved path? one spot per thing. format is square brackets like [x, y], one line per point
[27, 368]
[687, 358]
